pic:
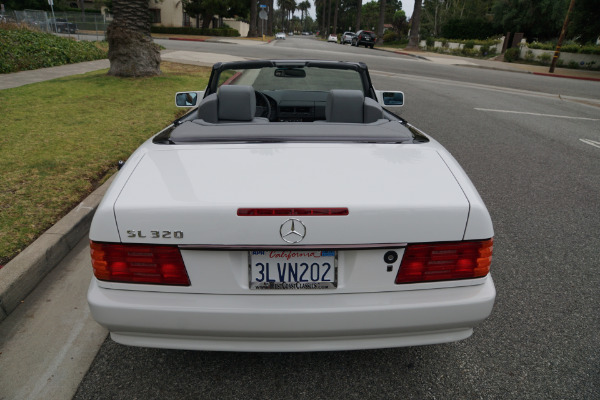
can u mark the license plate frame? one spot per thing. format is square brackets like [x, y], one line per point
[292, 269]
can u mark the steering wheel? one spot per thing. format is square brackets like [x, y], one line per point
[265, 107]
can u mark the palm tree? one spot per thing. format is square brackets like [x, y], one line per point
[335, 16]
[415, 22]
[303, 6]
[358, 14]
[131, 50]
[252, 32]
[381, 21]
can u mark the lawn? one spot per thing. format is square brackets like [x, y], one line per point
[62, 138]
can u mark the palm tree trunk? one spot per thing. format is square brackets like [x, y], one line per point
[381, 22]
[270, 20]
[131, 50]
[328, 19]
[415, 22]
[253, 14]
[358, 14]
[335, 16]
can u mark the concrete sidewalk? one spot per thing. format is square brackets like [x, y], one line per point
[448, 59]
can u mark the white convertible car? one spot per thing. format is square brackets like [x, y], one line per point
[289, 211]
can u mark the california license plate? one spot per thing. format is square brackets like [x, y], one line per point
[293, 269]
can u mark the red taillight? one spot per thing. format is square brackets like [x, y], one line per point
[278, 212]
[445, 261]
[138, 263]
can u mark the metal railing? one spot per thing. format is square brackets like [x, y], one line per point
[73, 24]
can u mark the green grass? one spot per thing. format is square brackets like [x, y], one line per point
[61, 138]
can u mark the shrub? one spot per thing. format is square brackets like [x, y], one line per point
[573, 64]
[390, 36]
[484, 50]
[469, 44]
[545, 58]
[195, 31]
[24, 49]
[529, 57]
[511, 54]
[430, 42]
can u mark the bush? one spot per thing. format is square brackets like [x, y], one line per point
[484, 50]
[389, 36]
[511, 54]
[25, 49]
[545, 58]
[469, 44]
[529, 56]
[430, 42]
[196, 31]
[468, 28]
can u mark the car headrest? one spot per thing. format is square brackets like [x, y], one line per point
[344, 106]
[236, 103]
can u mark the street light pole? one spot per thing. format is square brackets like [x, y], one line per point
[561, 38]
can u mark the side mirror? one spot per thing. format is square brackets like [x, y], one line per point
[393, 98]
[188, 99]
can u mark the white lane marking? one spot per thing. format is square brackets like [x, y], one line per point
[536, 114]
[591, 142]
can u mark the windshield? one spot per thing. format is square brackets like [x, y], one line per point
[294, 78]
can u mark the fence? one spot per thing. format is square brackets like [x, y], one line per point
[68, 23]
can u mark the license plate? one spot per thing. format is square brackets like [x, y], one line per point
[293, 269]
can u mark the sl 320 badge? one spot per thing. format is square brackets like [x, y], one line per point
[132, 233]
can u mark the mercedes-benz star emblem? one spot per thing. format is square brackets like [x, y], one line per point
[292, 230]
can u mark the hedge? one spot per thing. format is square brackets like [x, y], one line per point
[196, 31]
[567, 48]
[24, 49]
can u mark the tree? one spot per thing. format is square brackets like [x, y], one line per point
[358, 14]
[585, 21]
[381, 22]
[537, 19]
[252, 32]
[335, 16]
[131, 51]
[399, 22]
[415, 21]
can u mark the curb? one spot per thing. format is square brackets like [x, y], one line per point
[583, 78]
[188, 39]
[23, 273]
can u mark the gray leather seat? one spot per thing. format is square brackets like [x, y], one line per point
[351, 106]
[232, 103]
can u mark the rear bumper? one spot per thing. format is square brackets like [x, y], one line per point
[291, 322]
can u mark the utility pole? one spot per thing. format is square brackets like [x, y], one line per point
[561, 38]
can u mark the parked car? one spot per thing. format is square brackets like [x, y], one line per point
[289, 210]
[366, 38]
[332, 38]
[280, 35]
[62, 25]
[347, 37]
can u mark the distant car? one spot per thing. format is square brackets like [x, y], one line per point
[305, 34]
[347, 37]
[280, 35]
[366, 38]
[289, 210]
[61, 25]
[290, 33]
[332, 38]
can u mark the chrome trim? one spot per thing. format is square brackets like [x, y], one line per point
[291, 247]
[289, 233]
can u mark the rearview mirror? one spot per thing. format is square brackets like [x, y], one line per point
[393, 98]
[290, 73]
[188, 99]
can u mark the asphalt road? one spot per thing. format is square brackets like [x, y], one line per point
[521, 145]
